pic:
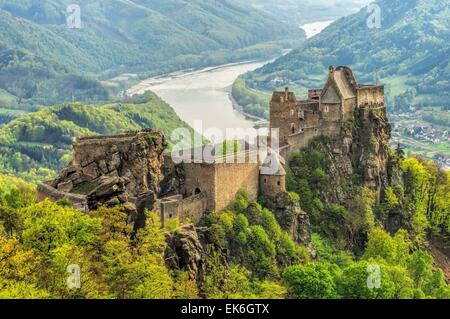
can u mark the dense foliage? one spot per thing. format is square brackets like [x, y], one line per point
[249, 257]
[308, 11]
[253, 102]
[415, 207]
[50, 237]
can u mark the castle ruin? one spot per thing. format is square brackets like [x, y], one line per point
[324, 111]
[133, 169]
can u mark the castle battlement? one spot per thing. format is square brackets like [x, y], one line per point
[325, 110]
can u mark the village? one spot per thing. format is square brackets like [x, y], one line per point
[424, 139]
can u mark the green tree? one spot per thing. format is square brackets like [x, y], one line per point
[354, 282]
[310, 281]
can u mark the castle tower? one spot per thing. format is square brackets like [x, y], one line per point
[272, 178]
[282, 113]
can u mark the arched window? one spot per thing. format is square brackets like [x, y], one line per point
[293, 128]
[197, 191]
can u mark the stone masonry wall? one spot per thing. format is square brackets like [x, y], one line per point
[200, 177]
[231, 178]
[188, 209]
[371, 95]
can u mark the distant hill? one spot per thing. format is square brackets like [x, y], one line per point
[43, 139]
[411, 52]
[42, 61]
[307, 11]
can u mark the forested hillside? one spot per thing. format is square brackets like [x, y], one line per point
[37, 144]
[410, 54]
[307, 11]
[250, 252]
[41, 59]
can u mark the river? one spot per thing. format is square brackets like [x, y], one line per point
[314, 28]
[204, 95]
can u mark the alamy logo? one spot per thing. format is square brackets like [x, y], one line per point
[374, 18]
[74, 280]
[374, 278]
[73, 16]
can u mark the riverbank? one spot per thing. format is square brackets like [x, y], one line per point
[259, 121]
[203, 96]
[161, 79]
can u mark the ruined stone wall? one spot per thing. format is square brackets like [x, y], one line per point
[281, 117]
[370, 96]
[231, 178]
[45, 191]
[300, 140]
[311, 119]
[200, 177]
[330, 112]
[185, 209]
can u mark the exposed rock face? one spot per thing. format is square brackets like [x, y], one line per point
[358, 156]
[113, 170]
[135, 156]
[186, 251]
[370, 147]
[174, 181]
[292, 219]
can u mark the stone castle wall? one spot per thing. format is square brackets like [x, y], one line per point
[200, 178]
[301, 139]
[270, 186]
[370, 96]
[230, 178]
[185, 209]
[45, 191]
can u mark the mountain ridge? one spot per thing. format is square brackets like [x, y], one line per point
[119, 36]
[407, 44]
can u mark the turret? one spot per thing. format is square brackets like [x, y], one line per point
[272, 176]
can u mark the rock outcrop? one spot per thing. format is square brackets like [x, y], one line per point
[186, 251]
[369, 147]
[292, 219]
[113, 170]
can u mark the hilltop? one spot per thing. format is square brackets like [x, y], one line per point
[411, 52]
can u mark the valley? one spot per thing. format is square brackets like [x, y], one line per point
[111, 188]
[397, 55]
[202, 95]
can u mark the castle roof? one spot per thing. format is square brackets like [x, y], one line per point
[343, 81]
[273, 165]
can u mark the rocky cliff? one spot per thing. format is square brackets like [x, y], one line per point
[292, 219]
[357, 157]
[340, 177]
[112, 170]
